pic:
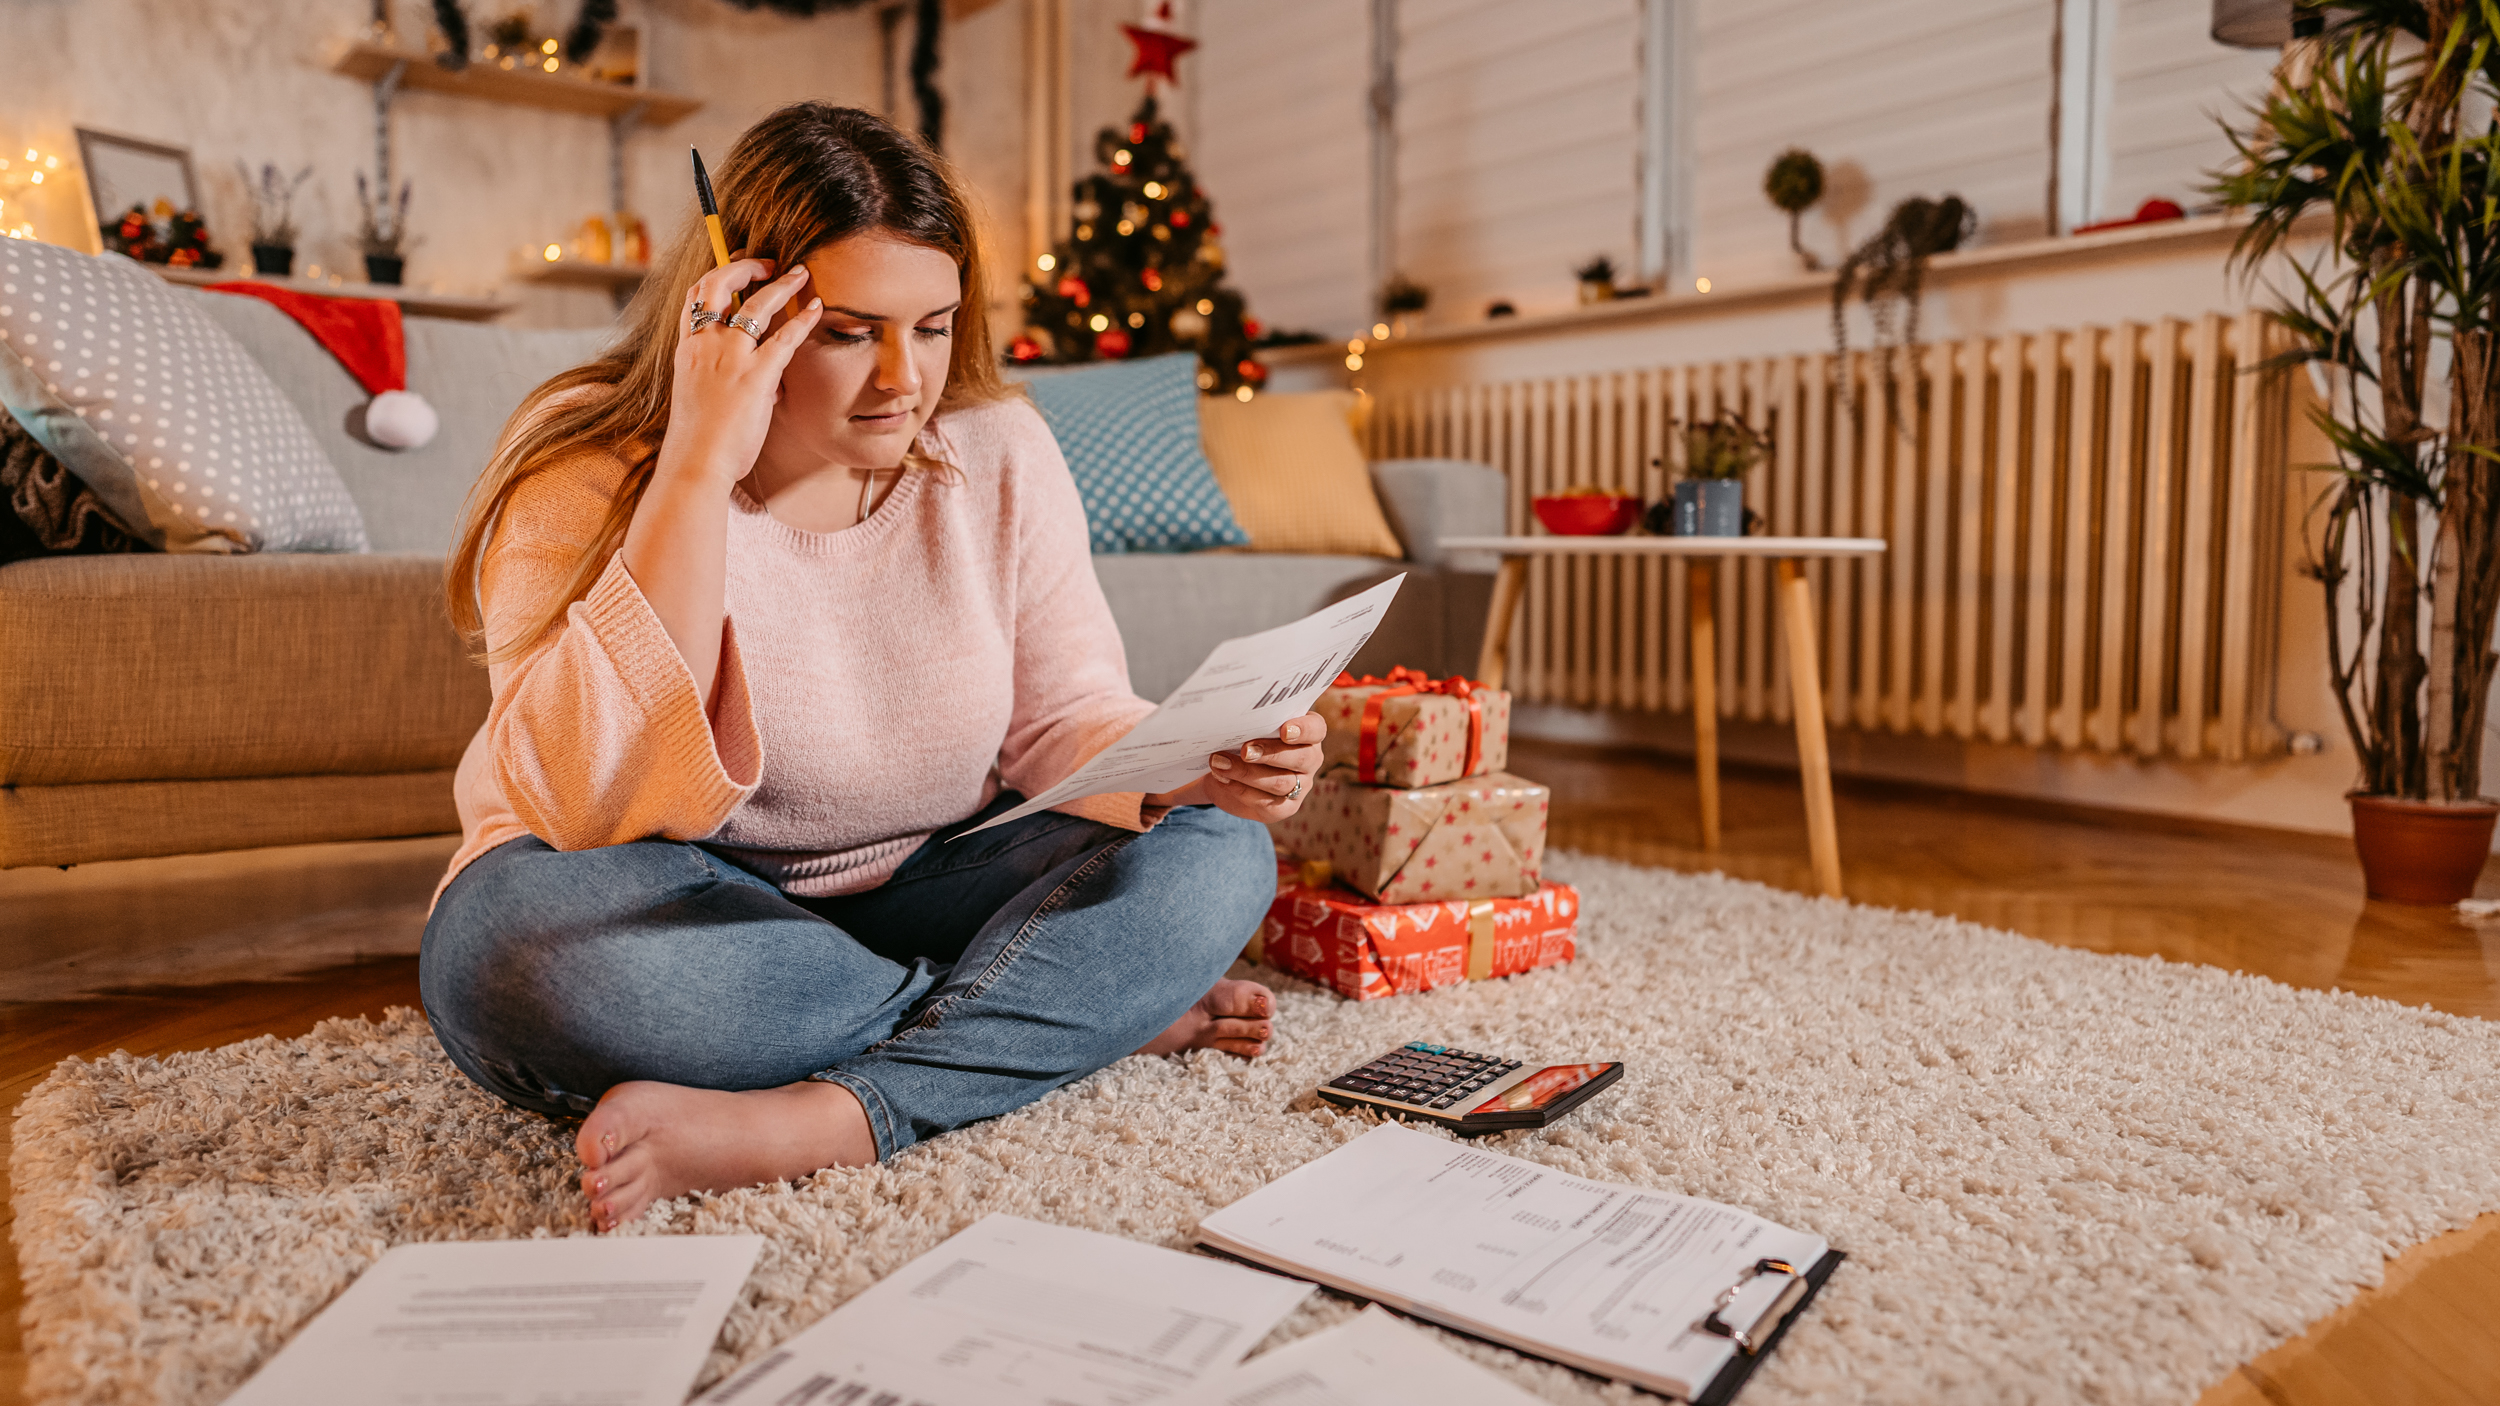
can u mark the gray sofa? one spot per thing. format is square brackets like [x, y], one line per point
[154, 705]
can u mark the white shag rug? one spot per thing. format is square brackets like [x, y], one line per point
[2059, 1176]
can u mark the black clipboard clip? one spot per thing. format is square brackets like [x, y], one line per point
[1750, 1339]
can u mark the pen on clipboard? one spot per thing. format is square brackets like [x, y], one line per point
[711, 216]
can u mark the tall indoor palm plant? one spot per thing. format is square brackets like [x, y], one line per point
[2382, 118]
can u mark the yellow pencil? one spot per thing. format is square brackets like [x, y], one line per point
[711, 217]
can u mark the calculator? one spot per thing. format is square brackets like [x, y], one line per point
[1470, 1094]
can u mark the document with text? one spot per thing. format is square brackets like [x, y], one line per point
[1247, 688]
[1610, 1279]
[582, 1322]
[1012, 1312]
[1371, 1359]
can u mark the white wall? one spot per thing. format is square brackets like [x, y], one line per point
[2169, 82]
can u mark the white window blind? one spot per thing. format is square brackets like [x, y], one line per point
[2168, 82]
[1897, 97]
[1518, 147]
[1284, 152]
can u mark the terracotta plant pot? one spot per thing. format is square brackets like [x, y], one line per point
[2421, 851]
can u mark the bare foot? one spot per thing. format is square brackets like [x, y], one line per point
[649, 1142]
[1233, 1017]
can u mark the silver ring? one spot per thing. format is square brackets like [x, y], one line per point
[747, 325]
[1297, 790]
[701, 319]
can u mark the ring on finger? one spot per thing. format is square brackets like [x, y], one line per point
[1296, 793]
[746, 324]
[701, 318]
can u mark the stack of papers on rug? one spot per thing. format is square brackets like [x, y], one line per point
[1013, 1311]
[515, 1323]
[1609, 1279]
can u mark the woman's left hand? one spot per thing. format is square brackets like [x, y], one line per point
[1266, 779]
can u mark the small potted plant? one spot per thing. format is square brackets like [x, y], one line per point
[1794, 183]
[1402, 298]
[384, 233]
[1597, 280]
[273, 216]
[1710, 500]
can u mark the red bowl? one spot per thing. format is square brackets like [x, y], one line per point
[1587, 514]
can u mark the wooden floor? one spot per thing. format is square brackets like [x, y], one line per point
[2285, 906]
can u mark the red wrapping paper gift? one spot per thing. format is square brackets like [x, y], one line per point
[1364, 951]
[1411, 729]
[1483, 837]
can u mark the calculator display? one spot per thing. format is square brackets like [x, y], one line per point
[1541, 1089]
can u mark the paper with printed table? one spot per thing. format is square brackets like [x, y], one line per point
[1610, 1279]
[608, 1322]
[1013, 1312]
[1247, 688]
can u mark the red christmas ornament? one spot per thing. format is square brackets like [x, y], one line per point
[1113, 343]
[1074, 290]
[1152, 280]
[1024, 348]
[1157, 50]
[1250, 328]
[1137, 131]
[1180, 219]
[1252, 372]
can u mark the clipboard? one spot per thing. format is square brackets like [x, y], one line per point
[1756, 1342]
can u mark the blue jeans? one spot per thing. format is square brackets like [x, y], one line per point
[982, 975]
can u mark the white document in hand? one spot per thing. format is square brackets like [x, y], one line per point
[1248, 688]
[1370, 1360]
[609, 1322]
[1014, 1311]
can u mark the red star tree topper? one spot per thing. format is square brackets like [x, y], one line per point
[1158, 48]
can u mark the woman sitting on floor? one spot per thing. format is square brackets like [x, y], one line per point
[775, 603]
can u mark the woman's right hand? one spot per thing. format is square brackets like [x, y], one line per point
[721, 406]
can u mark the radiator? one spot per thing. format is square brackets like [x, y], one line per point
[2085, 532]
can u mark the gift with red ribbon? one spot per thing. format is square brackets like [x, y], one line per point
[1411, 729]
[1478, 837]
[1363, 950]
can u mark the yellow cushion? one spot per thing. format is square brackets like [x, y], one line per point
[1296, 477]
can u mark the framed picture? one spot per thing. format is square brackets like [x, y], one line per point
[124, 171]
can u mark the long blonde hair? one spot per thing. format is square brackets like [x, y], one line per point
[804, 177]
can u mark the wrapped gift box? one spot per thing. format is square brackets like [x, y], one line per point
[1483, 837]
[1411, 729]
[1364, 951]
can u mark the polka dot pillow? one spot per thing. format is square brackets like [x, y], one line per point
[161, 412]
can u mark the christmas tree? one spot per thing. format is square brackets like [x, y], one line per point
[1140, 272]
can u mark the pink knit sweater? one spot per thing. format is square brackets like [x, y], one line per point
[875, 683]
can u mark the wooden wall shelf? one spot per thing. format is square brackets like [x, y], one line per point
[524, 87]
[409, 300]
[582, 271]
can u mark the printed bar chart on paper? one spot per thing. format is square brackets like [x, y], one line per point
[1247, 688]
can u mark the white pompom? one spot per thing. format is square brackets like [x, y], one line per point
[400, 420]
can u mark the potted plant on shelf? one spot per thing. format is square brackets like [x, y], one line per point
[2378, 121]
[273, 216]
[384, 233]
[1710, 499]
[1597, 279]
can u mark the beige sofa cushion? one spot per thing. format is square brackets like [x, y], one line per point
[159, 668]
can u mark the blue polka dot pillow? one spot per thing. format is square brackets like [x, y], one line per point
[157, 409]
[1130, 432]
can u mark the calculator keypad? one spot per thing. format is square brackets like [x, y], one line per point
[1425, 1075]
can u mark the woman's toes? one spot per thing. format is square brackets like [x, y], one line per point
[1240, 1000]
[611, 1127]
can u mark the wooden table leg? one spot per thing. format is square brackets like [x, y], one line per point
[1814, 757]
[1701, 577]
[1493, 660]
